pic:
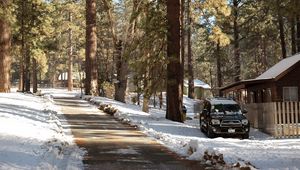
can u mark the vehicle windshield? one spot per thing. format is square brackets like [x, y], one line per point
[226, 109]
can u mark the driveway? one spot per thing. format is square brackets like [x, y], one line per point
[112, 145]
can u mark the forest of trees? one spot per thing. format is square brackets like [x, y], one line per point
[154, 44]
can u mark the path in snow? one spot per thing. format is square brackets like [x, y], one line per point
[113, 145]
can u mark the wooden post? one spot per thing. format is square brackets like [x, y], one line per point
[281, 119]
[284, 118]
[297, 118]
[292, 118]
[288, 121]
[276, 119]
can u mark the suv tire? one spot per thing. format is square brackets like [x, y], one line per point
[210, 134]
[246, 136]
[201, 127]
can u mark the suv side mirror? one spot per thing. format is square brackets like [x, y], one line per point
[244, 111]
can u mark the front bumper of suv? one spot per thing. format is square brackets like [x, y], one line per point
[230, 130]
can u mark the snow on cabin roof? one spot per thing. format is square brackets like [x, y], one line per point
[198, 83]
[280, 67]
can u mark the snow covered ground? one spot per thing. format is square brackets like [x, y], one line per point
[261, 151]
[31, 136]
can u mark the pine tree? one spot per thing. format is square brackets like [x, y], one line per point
[281, 28]
[70, 62]
[91, 81]
[174, 66]
[190, 57]
[4, 55]
[236, 35]
[5, 44]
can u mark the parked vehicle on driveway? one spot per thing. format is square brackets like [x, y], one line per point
[222, 116]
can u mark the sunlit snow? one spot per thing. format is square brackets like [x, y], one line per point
[261, 150]
[31, 136]
[35, 143]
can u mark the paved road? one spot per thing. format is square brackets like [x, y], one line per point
[112, 145]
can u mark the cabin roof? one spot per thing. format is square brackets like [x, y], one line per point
[280, 67]
[274, 73]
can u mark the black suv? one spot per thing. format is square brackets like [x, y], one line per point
[222, 116]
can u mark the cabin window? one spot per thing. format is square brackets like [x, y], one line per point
[290, 93]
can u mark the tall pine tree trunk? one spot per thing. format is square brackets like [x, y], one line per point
[161, 100]
[27, 69]
[298, 34]
[264, 54]
[182, 39]
[293, 36]
[219, 73]
[121, 67]
[237, 57]
[174, 66]
[5, 60]
[281, 30]
[146, 87]
[70, 62]
[191, 93]
[34, 75]
[91, 81]
[146, 96]
[293, 30]
[21, 71]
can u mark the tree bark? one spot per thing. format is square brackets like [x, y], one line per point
[174, 66]
[219, 73]
[27, 70]
[21, 72]
[237, 58]
[160, 100]
[281, 30]
[293, 36]
[34, 76]
[91, 81]
[146, 96]
[122, 67]
[70, 70]
[191, 93]
[298, 34]
[5, 59]
[182, 39]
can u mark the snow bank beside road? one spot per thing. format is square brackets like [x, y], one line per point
[31, 136]
[260, 151]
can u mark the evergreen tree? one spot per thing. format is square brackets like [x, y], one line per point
[91, 81]
[5, 44]
[174, 66]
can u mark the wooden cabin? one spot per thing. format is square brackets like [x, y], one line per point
[278, 84]
[272, 99]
